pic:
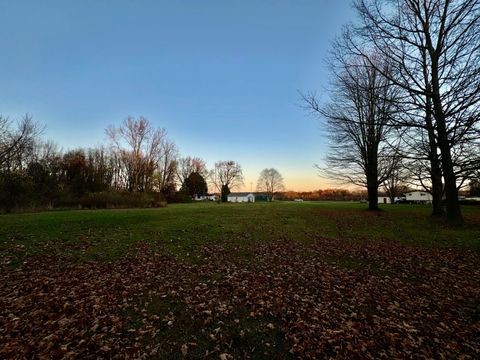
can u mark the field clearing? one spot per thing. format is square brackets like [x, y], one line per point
[264, 280]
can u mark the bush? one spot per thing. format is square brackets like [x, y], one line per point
[116, 199]
[20, 192]
[16, 190]
[181, 197]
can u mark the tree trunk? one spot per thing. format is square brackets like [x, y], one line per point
[392, 197]
[437, 190]
[373, 197]
[435, 169]
[454, 214]
[372, 172]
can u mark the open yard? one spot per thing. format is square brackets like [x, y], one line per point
[265, 280]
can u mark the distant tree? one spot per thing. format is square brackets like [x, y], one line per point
[98, 173]
[226, 175]
[474, 186]
[187, 165]
[15, 142]
[394, 185]
[45, 169]
[75, 172]
[195, 184]
[166, 167]
[270, 181]
[15, 190]
[141, 150]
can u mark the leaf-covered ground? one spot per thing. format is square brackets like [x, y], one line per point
[313, 297]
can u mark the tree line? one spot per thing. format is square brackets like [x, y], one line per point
[403, 105]
[140, 166]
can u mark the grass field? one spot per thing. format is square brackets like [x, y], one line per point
[265, 280]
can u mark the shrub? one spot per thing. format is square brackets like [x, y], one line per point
[15, 190]
[124, 199]
[181, 197]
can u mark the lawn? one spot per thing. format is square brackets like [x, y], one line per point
[265, 280]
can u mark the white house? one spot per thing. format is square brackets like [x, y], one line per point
[209, 197]
[421, 197]
[241, 197]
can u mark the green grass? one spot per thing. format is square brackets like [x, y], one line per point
[164, 324]
[181, 229]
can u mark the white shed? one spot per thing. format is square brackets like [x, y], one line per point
[384, 200]
[420, 197]
[241, 197]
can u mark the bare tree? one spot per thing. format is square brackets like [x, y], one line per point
[434, 50]
[226, 175]
[358, 115]
[166, 166]
[395, 184]
[187, 165]
[16, 142]
[421, 158]
[141, 150]
[270, 181]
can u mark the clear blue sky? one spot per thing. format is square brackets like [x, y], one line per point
[221, 76]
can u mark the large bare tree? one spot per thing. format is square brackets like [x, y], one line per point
[361, 107]
[270, 181]
[433, 48]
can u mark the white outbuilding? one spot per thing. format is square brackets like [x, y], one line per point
[207, 197]
[384, 200]
[241, 197]
[387, 200]
[419, 197]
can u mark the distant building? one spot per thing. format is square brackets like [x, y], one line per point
[387, 200]
[384, 200]
[262, 197]
[241, 197]
[208, 197]
[419, 197]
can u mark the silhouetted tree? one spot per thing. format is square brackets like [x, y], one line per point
[270, 181]
[187, 165]
[142, 151]
[361, 107]
[16, 142]
[195, 184]
[225, 191]
[433, 49]
[226, 175]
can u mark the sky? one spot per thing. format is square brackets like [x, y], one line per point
[222, 77]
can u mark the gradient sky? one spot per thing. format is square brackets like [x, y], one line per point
[221, 76]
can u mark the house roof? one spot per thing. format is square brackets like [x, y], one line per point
[240, 194]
